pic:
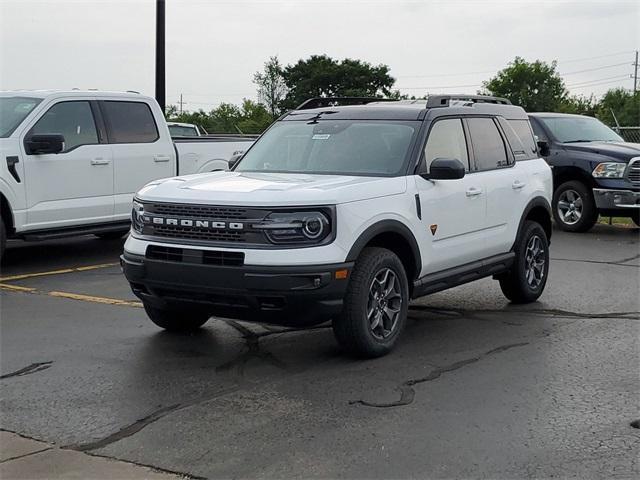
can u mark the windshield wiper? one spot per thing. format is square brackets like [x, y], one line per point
[580, 141]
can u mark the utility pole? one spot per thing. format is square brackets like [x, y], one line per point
[635, 74]
[160, 74]
[181, 103]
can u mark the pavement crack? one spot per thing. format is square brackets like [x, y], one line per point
[542, 311]
[125, 432]
[25, 455]
[407, 392]
[29, 369]
[617, 263]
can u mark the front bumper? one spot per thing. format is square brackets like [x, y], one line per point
[292, 295]
[609, 199]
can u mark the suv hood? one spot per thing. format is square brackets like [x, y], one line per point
[619, 150]
[270, 189]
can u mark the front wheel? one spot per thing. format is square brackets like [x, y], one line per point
[176, 320]
[375, 305]
[526, 280]
[574, 208]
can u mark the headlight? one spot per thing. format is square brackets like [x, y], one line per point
[609, 170]
[136, 216]
[305, 228]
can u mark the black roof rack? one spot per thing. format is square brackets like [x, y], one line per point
[321, 102]
[434, 101]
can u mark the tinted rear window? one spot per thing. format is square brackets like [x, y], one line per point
[488, 147]
[130, 122]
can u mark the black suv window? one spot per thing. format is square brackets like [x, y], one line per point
[488, 147]
[522, 129]
[73, 120]
[130, 122]
[446, 140]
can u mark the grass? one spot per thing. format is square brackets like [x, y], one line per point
[617, 221]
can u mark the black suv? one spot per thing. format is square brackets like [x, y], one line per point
[594, 170]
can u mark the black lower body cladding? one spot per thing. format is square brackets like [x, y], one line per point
[293, 296]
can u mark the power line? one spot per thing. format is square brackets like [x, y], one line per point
[596, 68]
[596, 84]
[597, 57]
[597, 80]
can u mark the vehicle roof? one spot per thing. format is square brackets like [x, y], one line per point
[71, 93]
[555, 114]
[405, 110]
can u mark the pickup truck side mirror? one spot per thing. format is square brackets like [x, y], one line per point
[445, 169]
[234, 160]
[543, 147]
[45, 143]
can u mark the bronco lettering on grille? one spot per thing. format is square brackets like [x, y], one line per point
[191, 223]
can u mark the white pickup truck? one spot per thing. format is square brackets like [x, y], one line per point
[70, 161]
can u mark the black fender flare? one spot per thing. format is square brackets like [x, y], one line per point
[387, 226]
[534, 203]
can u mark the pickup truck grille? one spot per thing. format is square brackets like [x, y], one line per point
[203, 224]
[633, 172]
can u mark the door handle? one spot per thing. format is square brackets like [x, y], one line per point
[517, 185]
[473, 192]
[161, 158]
[99, 161]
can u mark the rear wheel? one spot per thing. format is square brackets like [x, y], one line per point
[3, 238]
[574, 208]
[526, 280]
[176, 320]
[112, 235]
[375, 305]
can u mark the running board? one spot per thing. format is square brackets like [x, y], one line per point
[452, 277]
[72, 232]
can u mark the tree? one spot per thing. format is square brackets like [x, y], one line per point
[579, 104]
[624, 104]
[535, 86]
[271, 86]
[250, 117]
[322, 76]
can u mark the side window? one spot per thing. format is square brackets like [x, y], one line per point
[538, 132]
[130, 122]
[522, 128]
[488, 147]
[446, 140]
[73, 120]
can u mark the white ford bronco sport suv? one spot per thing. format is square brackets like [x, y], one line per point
[346, 213]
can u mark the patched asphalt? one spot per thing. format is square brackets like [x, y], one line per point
[476, 388]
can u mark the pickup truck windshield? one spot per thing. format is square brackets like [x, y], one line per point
[580, 129]
[344, 147]
[13, 110]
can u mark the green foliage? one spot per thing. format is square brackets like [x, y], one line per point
[535, 86]
[251, 117]
[624, 104]
[322, 76]
[579, 104]
[271, 86]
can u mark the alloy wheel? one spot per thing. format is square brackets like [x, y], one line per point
[534, 262]
[570, 207]
[384, 303]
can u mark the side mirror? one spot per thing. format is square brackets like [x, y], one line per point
[234, 160]
[445, 169]
[543, 147]
[46, 143]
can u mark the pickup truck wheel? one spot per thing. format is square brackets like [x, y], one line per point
[3, 238]
[574, 208]
[176, 320]
[375, 305]
[112, 235]
[527, 278]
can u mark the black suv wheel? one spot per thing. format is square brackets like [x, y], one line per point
[574, 208]
[375, 305]
[526, 280]
[176, 320]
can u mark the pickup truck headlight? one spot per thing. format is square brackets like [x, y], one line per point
[136, 216]
[609, 170]
[304, 228]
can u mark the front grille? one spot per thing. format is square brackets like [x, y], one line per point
[193, 234]
[186, 211]
[201, 257]
[633, 172]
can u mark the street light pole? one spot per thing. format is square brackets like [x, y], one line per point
[160, 73]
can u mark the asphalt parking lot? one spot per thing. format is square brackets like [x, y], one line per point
[477, 387]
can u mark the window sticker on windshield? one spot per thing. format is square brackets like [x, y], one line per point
[321, 136]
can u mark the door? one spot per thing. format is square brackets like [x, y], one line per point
[75, 186]
[503, 180]
[140, 153]
[453, 211]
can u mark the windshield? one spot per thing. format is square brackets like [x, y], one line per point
[580, 129]
[13, 110]
[182, 131]
[346, 147]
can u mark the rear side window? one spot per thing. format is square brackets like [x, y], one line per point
[522, 129]
[446, 140]
[73, 120]
[488, 147]
[130, 122]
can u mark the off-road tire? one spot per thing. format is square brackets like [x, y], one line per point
[514, 283]
[112, 235]
[175, 320]
[3, 238]
[589, 212]
[352, 327]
